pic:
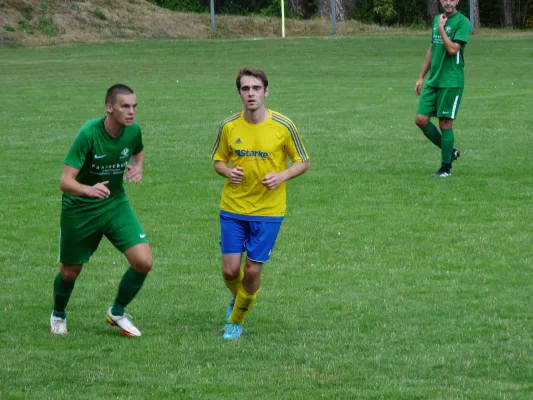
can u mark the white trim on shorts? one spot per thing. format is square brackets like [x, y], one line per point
[454, 108]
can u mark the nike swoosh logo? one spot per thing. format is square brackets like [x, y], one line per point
[142, 236]
[98, 157]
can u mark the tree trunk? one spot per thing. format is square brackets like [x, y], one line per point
[342, 8]
[476, 22]
[298, 7]
[507, 13]
[433, 9]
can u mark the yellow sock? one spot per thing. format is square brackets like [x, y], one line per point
[243, 305]
[235, 283]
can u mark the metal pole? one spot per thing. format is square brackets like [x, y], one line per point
[212, 7]
[282, 18]
[471, 16]
[333, 17]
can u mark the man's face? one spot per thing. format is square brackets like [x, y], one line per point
[252, 93]
[449, 6]
[123, 109]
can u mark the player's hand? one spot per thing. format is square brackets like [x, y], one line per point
[442, 20]
[418, 86]
[236, 174]
[134, 174]
[99, 191]
[272, 180]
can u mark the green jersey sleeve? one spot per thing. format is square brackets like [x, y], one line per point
[139, 145]
[462, 31]
[80, 148]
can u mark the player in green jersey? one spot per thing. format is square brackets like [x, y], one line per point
[441, 95]
[105, 152]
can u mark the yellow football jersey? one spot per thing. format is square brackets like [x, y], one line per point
[259, 149]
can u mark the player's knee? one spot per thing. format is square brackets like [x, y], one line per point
[144, 264]
[70, 272]
[231, 266]
[230, 272]
[252, 269]
[421, 121]
[445, 123]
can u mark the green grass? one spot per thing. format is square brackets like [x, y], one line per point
[26, 13]
[384, 284]
[99, 14]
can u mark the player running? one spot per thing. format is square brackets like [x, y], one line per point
[95, 204]
[251, 151]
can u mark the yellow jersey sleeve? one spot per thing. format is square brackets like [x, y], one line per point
[294, 146]
[221, 150]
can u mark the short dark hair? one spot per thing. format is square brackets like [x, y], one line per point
[115, 90]
[255, 72]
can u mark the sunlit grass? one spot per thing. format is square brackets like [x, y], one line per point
[384, 283]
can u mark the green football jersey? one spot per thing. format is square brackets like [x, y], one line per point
[101, 157]
[447, 70]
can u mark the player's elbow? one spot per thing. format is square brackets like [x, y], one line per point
[62, 184]
[218, 167]
[454, 49]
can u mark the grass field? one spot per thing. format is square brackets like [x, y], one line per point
[384, 283]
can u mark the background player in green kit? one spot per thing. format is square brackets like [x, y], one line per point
[442, 93]
[95, 204]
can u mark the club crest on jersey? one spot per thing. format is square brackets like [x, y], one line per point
[124, 153]
[448, 29]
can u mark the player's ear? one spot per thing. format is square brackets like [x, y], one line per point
[109, 108]
[266, 91]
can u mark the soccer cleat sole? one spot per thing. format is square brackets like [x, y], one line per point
[113, 323]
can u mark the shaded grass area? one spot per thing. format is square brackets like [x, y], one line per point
[383, 284]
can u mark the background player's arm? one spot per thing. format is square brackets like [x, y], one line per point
[135, 168]
[425, 68]
[274, 179]
[451, 47]
[70, 185]
[235, 174]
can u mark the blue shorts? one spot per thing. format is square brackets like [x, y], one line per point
[256, 238]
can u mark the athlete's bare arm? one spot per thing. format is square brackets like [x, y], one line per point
[70, 185]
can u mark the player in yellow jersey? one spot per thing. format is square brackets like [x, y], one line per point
[251, 152]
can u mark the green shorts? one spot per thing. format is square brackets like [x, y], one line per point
[439, 102]
[81, 232]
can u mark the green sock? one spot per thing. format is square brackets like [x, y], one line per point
[62, 292]
[447, 145]
[433, 134]
[131, 283]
